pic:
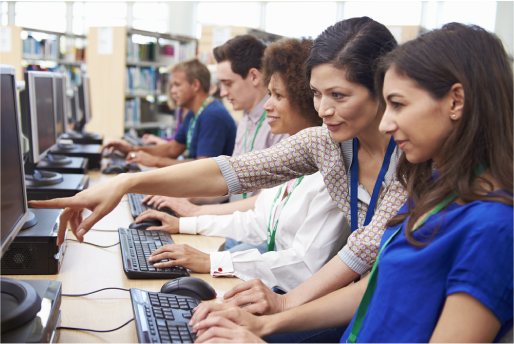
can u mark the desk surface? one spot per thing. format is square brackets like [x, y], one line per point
[86, 268]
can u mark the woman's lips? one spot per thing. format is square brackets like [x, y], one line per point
[272, 119]
[333, 127]
[401, 143]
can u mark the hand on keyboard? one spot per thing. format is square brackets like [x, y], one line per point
[121, 146]
[182, 255]
[239, 326]
[181, 206]
[170, 224]
[142, 158]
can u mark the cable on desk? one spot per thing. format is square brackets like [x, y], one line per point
[96, 291]
[86, 329]
[104, 230]
[88, 243]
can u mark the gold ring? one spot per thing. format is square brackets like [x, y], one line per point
[133, 155]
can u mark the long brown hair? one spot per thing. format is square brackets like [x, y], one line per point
[436, 61]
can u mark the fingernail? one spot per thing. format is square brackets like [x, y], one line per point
[81, 232]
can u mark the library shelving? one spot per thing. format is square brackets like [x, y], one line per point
[54, 51]
[129, 73]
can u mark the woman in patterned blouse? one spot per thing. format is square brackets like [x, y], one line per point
[341, 70]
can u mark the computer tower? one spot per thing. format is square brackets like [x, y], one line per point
[34, 250]
[75, 165]
[92, 152]
[71, 185]
[84, 138]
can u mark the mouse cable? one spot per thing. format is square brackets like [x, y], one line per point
[88, 243]
[86, 329]
[104, 230]
[96, 291]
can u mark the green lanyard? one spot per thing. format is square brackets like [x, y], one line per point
[271, 235]
[372, 283]
[254, 136]
[192, 123]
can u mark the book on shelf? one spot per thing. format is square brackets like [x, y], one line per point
[137, 52]
[143, 81]
[46, 49]
[139, 111]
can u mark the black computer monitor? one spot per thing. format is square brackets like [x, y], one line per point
[87, 97]
[83, 104]
[38, 124]
[14, 198]
[59, 90]
[38, 114]
[19, 301]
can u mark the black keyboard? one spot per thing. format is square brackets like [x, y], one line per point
[136, 207]
[162, 318]
[119, 160]
[136, 141]
[137, 245]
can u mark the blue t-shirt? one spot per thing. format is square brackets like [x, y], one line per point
[214, 134]
[471, 253]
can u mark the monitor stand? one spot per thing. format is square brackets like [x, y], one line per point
[20, 303]
[66, 144]
[43, 178]
[31, 221]
[57, 160]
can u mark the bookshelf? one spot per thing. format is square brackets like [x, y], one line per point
[129, 74]
[11, 48]
[55, 51]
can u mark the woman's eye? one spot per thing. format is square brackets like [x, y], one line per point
[396, 105]
[315, 93]
[278, 95]
[337, 95]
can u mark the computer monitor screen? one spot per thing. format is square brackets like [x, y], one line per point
[60, 103]
[13, 198]
[87, 97]
[45, 113]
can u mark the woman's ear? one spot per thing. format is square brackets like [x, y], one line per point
[456, 95]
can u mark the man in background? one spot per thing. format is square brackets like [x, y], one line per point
[207, 131]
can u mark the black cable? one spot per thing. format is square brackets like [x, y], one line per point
[88, 243]
[96, 291]
[86, 329]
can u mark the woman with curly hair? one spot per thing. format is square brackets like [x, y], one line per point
[302, 225]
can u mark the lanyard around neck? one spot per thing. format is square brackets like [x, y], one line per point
[271, 234]
[254, 136]
[354, 173]
[192, 123]
[372, 283]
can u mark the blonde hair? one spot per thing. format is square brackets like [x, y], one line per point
[195, 70]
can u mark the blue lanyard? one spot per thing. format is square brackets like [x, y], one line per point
[354, 173]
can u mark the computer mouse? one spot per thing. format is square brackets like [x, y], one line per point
[189, 286]
[145, 224]
[114, 169]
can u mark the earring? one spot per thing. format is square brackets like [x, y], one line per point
[454, 115]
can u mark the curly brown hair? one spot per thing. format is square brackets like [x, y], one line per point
[287, 57]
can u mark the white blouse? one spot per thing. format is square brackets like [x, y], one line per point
[311, 230]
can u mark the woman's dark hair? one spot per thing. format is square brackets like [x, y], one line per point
[354, 45]
[287, 57]
[436, 61]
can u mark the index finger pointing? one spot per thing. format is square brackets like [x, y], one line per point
[57, 203]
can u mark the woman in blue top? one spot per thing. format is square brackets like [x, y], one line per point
[445, 271]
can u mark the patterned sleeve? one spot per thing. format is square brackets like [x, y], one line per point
[363, 245]
[288, 159]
